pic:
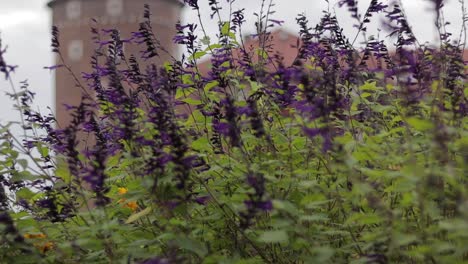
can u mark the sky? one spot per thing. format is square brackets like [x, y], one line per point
[25, 29]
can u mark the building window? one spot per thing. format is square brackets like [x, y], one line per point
[75, 50]
[73, 9]
[114, 7]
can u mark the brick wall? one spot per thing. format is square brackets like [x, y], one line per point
[74, 19]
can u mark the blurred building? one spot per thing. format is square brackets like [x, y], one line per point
[280, 42]
[74, 20]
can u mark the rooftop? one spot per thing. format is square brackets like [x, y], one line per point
[54, 2]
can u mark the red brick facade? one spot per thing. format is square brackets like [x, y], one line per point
[74, 19]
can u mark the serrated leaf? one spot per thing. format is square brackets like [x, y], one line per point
[276, 236]
[313, 218]
[43, 150]
[365, 95]
[205, 40]
[369, 86]
[197, 55]
[192, 101]
[419, 124]
[62, 171]
[23, 163]
[24, 193]
[225, 29]
[210, 85]
[182, 93]
[201, 144]
[23, 176]
[285, 206]
[192, 245]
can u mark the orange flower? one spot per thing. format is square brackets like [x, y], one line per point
[33, 236]
[132, 205]
[44, 247]
[122, 190]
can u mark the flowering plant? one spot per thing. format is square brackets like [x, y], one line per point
[345, 155]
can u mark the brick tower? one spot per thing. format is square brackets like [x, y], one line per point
[74, 19]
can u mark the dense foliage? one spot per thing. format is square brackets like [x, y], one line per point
[346, 156]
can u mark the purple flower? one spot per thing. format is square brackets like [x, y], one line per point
[258, 200]
[192, 3]
[277, 22]
[263, 206]
[312, 132]
[4, 67]
[238, 18]
[202, 200]
[187, 39]
[255, 119]
[352, 7]
[54, 67]
[155, 260]
[55, 39]
[221, 127]
[9, 227]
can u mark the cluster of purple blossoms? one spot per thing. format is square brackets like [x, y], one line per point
[161, 146]
[4, 67]
[258, 201]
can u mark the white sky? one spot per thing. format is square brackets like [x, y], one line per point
[25, 27]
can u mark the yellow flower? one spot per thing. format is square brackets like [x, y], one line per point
[33, 236]
[394, 167]
[132, 205]
[122, 190]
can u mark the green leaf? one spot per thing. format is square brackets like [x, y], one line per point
[23, 163]
[24, 193]
[365, 95]
[403, 239]
[369, 86]
[192, 245]
[313, 218]
[364, 219]
[262, 53]
[210, 85]
[192, 101]
[23, 176]
[182, 93]
[168, 67]
[38, 196]
[62, 171]
[113, 161]
[419, 124]
[205, 40]
[136, 216]
[197, 55]
[43, 150]
[201, 144]
[225, 29]
[254, 86]
[285, 206]
[276, 236]
[215, 46]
